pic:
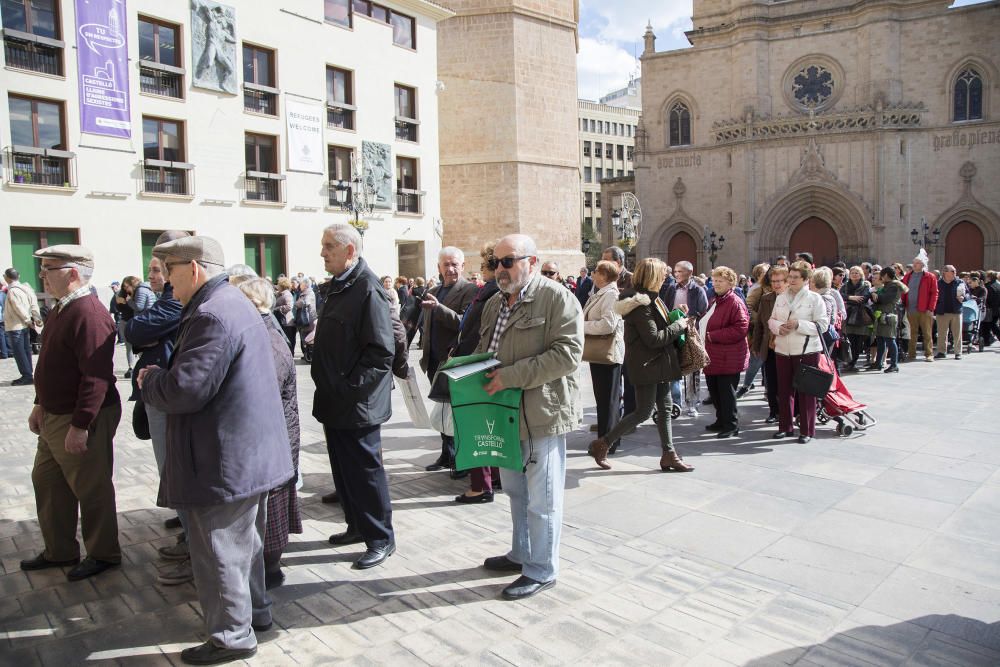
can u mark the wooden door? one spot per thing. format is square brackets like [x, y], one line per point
[816, 236]
[964, 247]
[682, 247]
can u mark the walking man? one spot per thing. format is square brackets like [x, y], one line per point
[227, 444]
[20, 315]
[76, 414]
[535, 327]
[351, 367]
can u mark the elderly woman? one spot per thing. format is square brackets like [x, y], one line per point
[761, 338]
[284, 305]
[393, 294]
[857, 326]
[603, 328]
[820, 282]
[724, 329]
[759, 288]
[653, 363]
[305, 315]
[797, 321]
[886, 300]
[282, 503]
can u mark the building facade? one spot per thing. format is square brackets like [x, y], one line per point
[607, 146]
[834, 126]
[240, 123]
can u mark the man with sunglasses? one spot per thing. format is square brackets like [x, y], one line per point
[535, 328]
[551, 271]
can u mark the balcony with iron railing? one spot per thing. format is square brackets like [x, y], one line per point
[340, 116]
[158, 79]
[23, 50]
[406, 128]
[31, 166]
[163, 177]
[260, 99]
[408, 201]
[259, 186]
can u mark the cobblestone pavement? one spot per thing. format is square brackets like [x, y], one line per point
[881, 548]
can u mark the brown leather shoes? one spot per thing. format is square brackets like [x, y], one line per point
[670, 462]
[599, 450]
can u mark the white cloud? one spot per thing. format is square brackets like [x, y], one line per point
[625, 21]
[602, 67]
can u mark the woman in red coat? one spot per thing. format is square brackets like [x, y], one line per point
[724, 330]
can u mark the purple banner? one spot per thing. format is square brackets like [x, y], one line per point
[102, 56]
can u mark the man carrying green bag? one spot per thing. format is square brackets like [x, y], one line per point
[534, 326]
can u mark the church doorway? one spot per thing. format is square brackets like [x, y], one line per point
[682, 247]
[964, 247]
[815, 235]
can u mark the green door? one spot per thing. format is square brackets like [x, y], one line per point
[265, 254]
[25, 242]
[251, 252]
[148, 241]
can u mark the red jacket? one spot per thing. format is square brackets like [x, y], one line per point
[928, 296]
[726, 336]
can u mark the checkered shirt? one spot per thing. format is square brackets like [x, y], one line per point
[502, 318]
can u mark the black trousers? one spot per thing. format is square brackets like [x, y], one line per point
[722, 389]
[628, 393]
[356, 459]
[607, 381]
[859, 344]
[771, 382]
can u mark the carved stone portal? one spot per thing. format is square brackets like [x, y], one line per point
[213, 46]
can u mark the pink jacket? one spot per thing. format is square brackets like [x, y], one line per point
[726, 335]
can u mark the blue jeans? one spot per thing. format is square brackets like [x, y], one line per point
[756, 363]
[4, 350]
[675, 392]
[536, 506]
[20, 346]
[883, 342]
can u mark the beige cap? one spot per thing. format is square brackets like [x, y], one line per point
[193, 249]
[77, 254]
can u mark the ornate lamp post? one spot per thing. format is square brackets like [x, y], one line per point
[925, 237]
[357, 197]
[712, 244]
[627, 221]
[586, 246]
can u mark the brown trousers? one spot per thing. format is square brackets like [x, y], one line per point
[66, 484]
[921, 323]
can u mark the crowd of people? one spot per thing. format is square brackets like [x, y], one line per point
[210, 355]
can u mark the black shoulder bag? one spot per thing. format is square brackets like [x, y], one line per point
[812, 380]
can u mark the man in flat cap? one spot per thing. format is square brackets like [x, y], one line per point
[76, 414]
[227, 444]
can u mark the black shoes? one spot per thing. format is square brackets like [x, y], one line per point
[346, 537]
[713, 427]
[89, 567]
[891, 369]
[173, 522]
[375, 555]
[501, 564]
[728, 434]
[210, 654]
[22, 382]
[771, 419]
[262, 627]
[525, 587]
[440, 464]
[273, 580]
[128, 374]
[782, 434]
[476, 499]
[940, 355]
[40, 562]
[331, 498]
[803, 439]
[459, 474]
[742, 391]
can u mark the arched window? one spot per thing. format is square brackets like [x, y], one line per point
[968, 96]
[680, 124]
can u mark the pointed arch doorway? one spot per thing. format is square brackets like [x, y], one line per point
[965, 246]
[682, 247]
[815, 235]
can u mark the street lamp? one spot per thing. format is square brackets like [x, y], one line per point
[712, 244]
[586, 246]
[925, 237]
[356, 197]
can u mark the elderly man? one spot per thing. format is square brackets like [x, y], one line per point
[351, 367]
[551, 271]
[443, 308]
[920, 302]
[583, 286]
[535, 327]
[227, 444]
[617, 255]
[76, 414]
[20, 316]
[687, 295]
[951, 294]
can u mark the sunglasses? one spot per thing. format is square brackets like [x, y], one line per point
[506, 262]
[548, 274]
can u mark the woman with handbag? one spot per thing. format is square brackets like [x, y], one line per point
[762, 340]
[653, 363]
[604, 347]
[724, 329]
[797, 321]
[887, 299]
[858, 325]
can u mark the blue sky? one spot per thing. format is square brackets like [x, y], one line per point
[611, 32]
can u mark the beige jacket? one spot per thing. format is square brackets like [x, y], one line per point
[808, 309]
[541, 350]
[21, 308]
[601, 319]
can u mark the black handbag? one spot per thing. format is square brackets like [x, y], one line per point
[811, 380]
[861, 315]
[140, 421]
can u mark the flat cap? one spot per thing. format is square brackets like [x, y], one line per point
[193, 249]
[77, 254]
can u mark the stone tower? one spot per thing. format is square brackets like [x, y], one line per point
[508, 126]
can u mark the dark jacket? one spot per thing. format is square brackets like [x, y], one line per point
[650, 341]
[468, 337]
[697, 299]
[401, 352]
[726, 336]
[353, 354]
[284, 367]
[152, 333]
[226, 434]
[583, 288]
[441, 324]
[854, 308]
[948, 302]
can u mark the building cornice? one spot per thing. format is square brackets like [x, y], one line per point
[518, 11]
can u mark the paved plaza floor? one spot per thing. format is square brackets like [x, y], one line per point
[882, 548]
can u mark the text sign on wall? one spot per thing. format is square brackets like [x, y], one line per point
[102, 58]
[304, 122]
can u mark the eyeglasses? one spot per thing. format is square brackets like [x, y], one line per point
[46, 269]
[169, 265]
[506, 262]
[548, 274]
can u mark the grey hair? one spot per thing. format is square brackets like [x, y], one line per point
[822, 277]
[451, 251]
[240, 270]
[344, 235]
[617, 253]
[306, 282]
[686, 265]
[554, 265]
[950, 267]
[212, 270]
[259, 291]
[85, 272]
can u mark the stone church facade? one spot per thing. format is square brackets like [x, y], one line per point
[834, 126]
